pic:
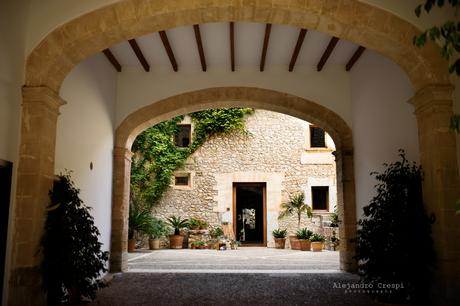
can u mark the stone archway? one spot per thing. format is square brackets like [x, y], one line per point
[374, 28]
[219, 97]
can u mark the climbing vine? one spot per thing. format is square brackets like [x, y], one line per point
[156, 157]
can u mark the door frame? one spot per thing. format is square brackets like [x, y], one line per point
[264, 205]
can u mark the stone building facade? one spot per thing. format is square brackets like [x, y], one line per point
[276, 154]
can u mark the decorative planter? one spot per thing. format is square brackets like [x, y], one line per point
[280, 243]
[154, 244]
[317, 246]
[175, 241]
[131, 245]
[295, 244]
[305, 244]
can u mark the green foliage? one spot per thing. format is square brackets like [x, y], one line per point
[279, 233]
[394, 243]
[177, 223]
[304, 234]
[157, 228]
[156, 157]
[334, 219]
[295, 205]
[198, 243]
[72, 255]
[195, 224]
[448, 34]
[216, 232]
[139, 221]
[317, 238]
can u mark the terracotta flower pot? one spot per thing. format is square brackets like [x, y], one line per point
[131, 245]
[305, 244]
[154, 244]
[280, 243]
[175, 241]
[317, 246]
[295, 244]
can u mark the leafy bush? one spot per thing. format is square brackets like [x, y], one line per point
[394, 244]
[72, 257]
[216, 232]
[304, 234]
[279, 233]
[157, 228]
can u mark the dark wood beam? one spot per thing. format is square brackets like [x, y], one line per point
[169, 51]
[268, 29]
[330, 47]
[355, 58]
[232, 44]
[140, 56]
[112, 59]
[298, 45]
[199, 44]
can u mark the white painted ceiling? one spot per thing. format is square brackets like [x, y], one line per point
[248, 47]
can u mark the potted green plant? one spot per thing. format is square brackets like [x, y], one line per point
[317, 242]
[198, 245]
[138, 224]
[334, 241]
[73, 260]
[157, 228]
[295, 205]
[197, 224]
[176, 240]
[334, 218]
[216, 232]
[304, 235]
[280, 238]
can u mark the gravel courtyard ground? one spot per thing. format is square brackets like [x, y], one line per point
[247, 276]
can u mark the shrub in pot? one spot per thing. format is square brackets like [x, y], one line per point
[296, 205]
[394, 243]
[317, 241]
[176, 240]
[138, 224]
[157, 228]
[280, 238]
[72, 257]
[304, 235]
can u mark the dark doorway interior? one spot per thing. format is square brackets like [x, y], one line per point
[249, 208]
[6, 171]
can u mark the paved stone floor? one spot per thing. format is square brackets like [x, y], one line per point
[247, 276]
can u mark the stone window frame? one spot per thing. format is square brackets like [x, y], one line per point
[186, 121]
[308, 146]
[328, 202]
[189, 174]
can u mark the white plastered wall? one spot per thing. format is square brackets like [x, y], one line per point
[85, 135]
[383, 120]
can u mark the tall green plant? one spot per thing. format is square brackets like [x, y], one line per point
[72, 257]
[394, 244]
[295, 205]
[156, 157]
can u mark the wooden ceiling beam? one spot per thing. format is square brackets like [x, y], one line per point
[109, 55]
[199, 44]
[169, 51]
[330, 47]
[297, 48]
[268, 29]
[355, 58]
[232, 45]
[139, 54]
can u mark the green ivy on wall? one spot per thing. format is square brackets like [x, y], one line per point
[156, 157]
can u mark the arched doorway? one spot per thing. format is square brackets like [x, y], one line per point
[353, 20]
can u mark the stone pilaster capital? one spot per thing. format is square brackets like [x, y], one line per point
[433, 98]
[120, 152]
[43, 95]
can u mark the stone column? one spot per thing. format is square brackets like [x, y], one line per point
[441, 186]
[347, 229]
[120, 209]
[40, 110]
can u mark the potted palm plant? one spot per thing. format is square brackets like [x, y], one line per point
[138, 224]
[317, 242]
[157, 228]
[304, 235]
[280, 238]
[295, 205]
[176, 240]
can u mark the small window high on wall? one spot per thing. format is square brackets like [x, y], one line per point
[183, 136]
[320, 197]
[317, 137]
